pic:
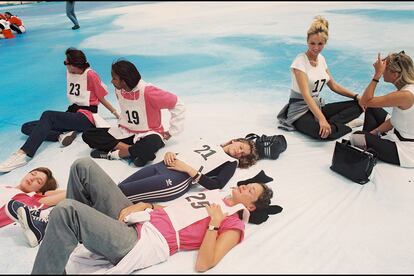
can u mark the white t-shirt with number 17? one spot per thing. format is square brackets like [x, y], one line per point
[317, 76]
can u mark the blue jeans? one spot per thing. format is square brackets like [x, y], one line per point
[70, 12]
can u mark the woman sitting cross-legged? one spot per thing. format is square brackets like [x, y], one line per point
[392, 137]
[306, 111]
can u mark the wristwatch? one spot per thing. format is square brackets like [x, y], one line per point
[212, 228]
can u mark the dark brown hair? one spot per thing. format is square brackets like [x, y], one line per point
[248, 160]
[127, 72]
[264, 199]
[50, 183]
[76, 58]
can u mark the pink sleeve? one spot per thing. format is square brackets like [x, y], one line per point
[96, 86]
[233, 223]
[159, 98]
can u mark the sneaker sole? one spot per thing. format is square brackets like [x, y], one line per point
[68, 140]
[9, 169]
[21, 214]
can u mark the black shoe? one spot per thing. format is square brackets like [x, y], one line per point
[75, 27]
[138, 162]
[100, 154]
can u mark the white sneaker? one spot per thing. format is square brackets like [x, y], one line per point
[65, 139]
[15, 161]
[355, 123]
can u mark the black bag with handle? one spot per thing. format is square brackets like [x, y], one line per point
[352, 162]
[268, 146]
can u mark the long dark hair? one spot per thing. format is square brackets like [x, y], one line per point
[77, 58]
[127, 72]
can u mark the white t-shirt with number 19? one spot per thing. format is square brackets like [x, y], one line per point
[317, 76]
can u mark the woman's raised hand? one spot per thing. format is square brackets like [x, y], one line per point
[379, 66]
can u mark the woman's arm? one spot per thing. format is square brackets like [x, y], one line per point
[140, 206]
[382, 128]
[400, 98]
[53, 197]
[171, 161]
[53, 192]
[302, 80]
[214, 246]
[219, 177]
[109, 107]
[339, 89]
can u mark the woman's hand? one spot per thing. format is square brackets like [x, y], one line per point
[379, 66]
[140, 206]
[169, 158]
[179, 165]
[375, 132]
[216, 214]
[166, 135]
[324, 128]
[360, 104]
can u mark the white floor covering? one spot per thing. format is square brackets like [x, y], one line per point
[328, 224]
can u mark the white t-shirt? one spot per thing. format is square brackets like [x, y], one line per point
[317, 76]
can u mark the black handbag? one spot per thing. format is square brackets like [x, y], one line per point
[268, 146]
[352, 162]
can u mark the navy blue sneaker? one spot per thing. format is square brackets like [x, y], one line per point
[33, 224]
[11, 209]
[14, 205]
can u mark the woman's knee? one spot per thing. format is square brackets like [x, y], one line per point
[48, 115]
[82, 163]
[63, 208]
[27, 128]
[86, 136]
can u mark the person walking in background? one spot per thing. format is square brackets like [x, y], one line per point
[70, 12]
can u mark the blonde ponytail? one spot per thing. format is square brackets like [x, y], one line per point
[319, 26]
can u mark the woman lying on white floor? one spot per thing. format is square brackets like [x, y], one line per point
[95, 212]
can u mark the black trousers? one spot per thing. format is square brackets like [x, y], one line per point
[50, 126]
[145, 148]
[337, 114]
[386, 149]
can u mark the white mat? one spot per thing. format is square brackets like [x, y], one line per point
[328, 224]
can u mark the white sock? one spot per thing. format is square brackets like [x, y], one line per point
[358, 140]
[114, 155]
